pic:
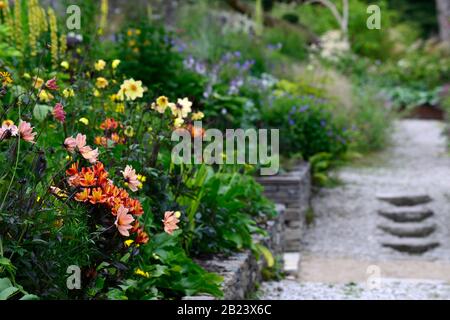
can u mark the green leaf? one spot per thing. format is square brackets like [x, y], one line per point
[29, 297]
[41, 111]
[267, 255]
[8, 292]
[5, 283]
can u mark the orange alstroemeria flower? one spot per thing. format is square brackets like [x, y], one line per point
[142, 237]
[73, 170]
[98, 168]
[97, 196]
[135, 207]
[102, 179]
[136, 227]
[82, 196]
[115, 137]
[100, 141]
[74, 181]
[123, 194]
[87, 178]
[109, 124]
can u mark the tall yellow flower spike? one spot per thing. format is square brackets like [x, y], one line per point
[53, 36]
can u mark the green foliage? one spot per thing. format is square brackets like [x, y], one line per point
[306, 127]
[165, 268]
[147, 53]
[222, 216]
[7, 52]
[365, 42]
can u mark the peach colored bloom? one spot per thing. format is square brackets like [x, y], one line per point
[51, 84]
[70, 144]
[123, 221]
[59, 113]
[74, 181]
[131, 178]
[89, 154]
[170, 222]
[26, 131]
[79, 144]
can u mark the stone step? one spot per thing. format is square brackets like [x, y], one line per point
[409, 229]
[407, 199]
[406, 214]
[410, 245]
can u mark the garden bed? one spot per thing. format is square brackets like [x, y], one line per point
[243, 271]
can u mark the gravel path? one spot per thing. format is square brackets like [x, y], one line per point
[344, 240]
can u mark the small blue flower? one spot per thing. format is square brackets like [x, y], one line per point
[304, 108]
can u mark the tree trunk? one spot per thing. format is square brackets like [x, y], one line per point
[443, 9]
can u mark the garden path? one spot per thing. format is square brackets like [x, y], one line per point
[353, 252]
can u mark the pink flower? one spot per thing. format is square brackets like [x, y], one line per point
[8, 129]
[123, 221]
[170, 222]
[131, 178]
[51, 84]
[59, 113]
[79, 144]
[89, 154]
[70, 144]
[26, 131]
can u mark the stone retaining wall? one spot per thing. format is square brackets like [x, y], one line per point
[293, 190]
[242, 271]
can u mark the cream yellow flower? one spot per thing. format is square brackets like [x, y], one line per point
[38, 82]
[129, 131]
[115, 63]
[161, 104]
[68, 93]
[178, 122]
[96, 93]
[177, 214]
[84, 121]
[100, 65]
[182, 108]
[197, 116]
[45, 96]
[131, 89]
[65, 65]
[101, 83]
